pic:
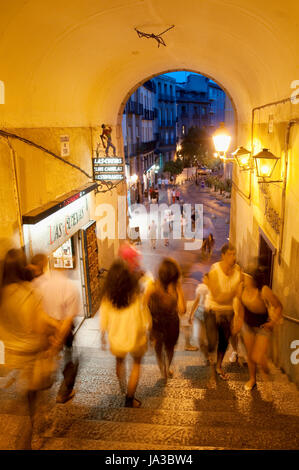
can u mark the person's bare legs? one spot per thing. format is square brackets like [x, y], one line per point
[121, 373]
[169, 357]
[212, 338]
[249, 340]
[133, 382]
[160, 358]
[187, 335]
[259, 356]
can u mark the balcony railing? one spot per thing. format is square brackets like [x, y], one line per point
[136, 149]
[133, 107]
[148, 114]
[165, 97]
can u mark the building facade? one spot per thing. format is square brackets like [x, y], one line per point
[139, 140]
[166, 118]
[193, 104]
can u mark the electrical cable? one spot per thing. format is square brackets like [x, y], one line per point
[110, 186]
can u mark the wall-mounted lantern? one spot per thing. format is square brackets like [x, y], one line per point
[242, 157]
[265, 162]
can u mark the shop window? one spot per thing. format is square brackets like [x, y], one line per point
[63, 257]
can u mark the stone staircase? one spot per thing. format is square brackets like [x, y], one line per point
[183, 414]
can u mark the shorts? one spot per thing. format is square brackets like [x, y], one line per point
[255, 330]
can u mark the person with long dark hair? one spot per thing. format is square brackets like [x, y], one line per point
[126, 318]
[166, 302]
[260, 310]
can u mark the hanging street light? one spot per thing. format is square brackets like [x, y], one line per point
[222, 141]
[243, 159]
[265, 163]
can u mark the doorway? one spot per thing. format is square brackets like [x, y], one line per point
[266, 256]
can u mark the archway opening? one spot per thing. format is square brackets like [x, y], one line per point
[172, 117]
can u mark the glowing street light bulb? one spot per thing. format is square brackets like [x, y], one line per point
[265, 170]
[134, 178]
[221, 140]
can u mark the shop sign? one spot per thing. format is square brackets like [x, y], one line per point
[108, 168]
[65, 145]
[108, 161]
[109, 176]
[51, 232]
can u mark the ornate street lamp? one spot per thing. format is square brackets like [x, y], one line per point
[243, 159]
[265, 162]
[222, 141]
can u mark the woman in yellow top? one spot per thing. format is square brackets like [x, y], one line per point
[260, 310]
[126, 318]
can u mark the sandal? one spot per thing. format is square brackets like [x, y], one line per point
[248, 386]
[132, 402]
[222, 375]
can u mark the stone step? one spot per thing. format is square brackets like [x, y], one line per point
[90, 444]
[234, 419]
[200, 436]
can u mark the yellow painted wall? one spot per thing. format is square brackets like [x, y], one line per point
[42, 178]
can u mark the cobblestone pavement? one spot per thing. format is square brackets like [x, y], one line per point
[185, 413]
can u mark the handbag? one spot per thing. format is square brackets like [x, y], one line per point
[43, 371]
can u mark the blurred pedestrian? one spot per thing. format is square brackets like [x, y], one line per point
[261, 311]
[208, 245]
[26, 331]
[153, 234]
[60, 299]
[197, 312]
[173, 196]
[165, 231]
[127, 320]
[166, 302]
[223, 281]
[131, 255]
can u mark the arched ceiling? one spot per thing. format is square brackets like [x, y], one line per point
[73, 63]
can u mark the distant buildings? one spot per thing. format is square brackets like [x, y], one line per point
[157, 117]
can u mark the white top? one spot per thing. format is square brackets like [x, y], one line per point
[60, 297]
[226, 285]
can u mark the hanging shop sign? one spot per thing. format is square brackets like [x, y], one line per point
[108, 168]
[109, 176]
